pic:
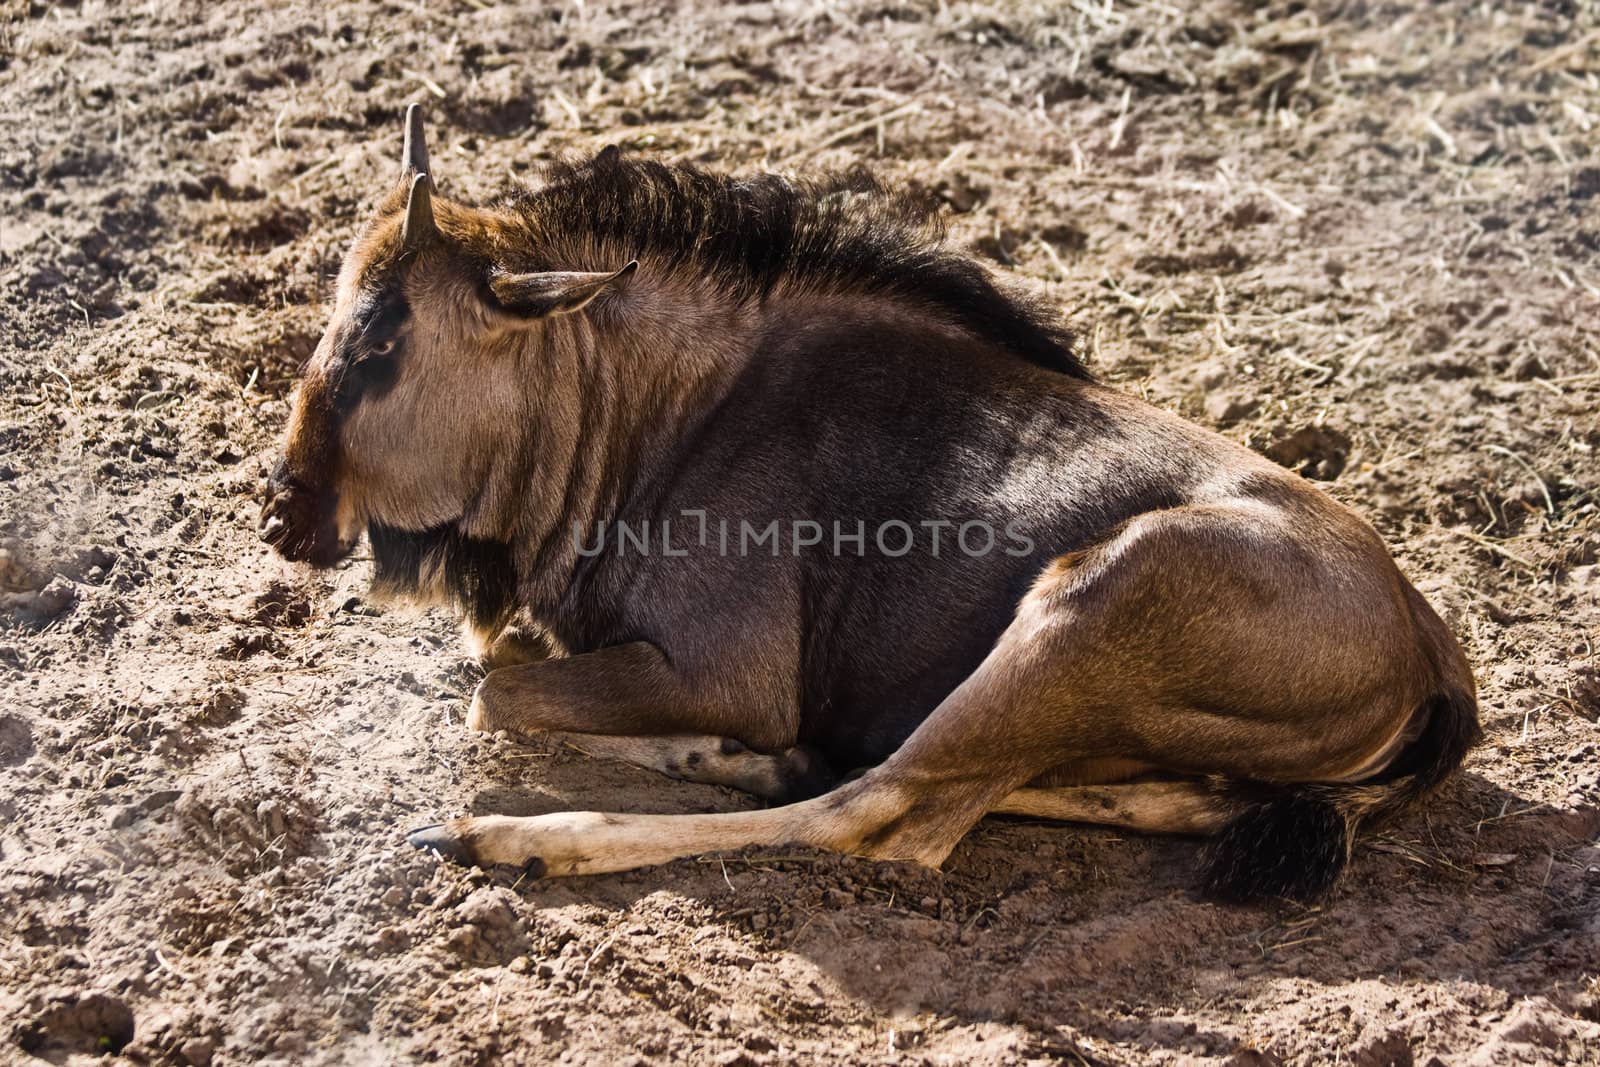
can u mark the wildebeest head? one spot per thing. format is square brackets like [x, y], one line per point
[418, 386]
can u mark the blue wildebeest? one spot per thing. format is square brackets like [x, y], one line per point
[1130, 620]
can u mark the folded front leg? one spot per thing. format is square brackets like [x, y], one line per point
[629, 703]
[625, 690]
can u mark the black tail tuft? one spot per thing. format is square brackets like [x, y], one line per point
[1293, 844]
[1294, 840]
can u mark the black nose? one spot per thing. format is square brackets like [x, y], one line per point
[272, 526]
[298, 522]
[277, 508]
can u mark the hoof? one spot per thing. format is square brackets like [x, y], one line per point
[440, 839]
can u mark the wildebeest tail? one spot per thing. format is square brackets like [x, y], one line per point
[1294, 840]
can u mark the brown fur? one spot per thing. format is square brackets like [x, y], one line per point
[1194, 640]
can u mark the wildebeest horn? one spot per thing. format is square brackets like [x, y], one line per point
[418, 228]
[414, 156]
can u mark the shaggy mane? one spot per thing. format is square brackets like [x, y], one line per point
[749, 236]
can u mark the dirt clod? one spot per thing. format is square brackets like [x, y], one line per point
[77, 1024]
[1318, 452]
[16, 740]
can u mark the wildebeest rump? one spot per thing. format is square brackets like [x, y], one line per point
[1166, 631]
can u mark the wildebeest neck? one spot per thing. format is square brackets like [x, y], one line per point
[619, 403]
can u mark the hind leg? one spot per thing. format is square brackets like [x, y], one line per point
[966, 760]
[1149, 807]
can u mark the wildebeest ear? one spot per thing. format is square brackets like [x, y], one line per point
[418, 228]
[414, 155]
[554, 292]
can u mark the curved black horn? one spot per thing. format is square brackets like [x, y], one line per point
[414, 157]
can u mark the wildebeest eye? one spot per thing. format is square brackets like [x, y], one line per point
[369, 353]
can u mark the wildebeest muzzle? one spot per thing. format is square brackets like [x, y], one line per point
[300, 522]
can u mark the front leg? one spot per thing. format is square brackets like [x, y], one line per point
[628, 703]
[625, 690]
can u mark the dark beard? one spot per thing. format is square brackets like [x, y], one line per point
[479, 576]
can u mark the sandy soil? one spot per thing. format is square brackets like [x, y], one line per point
[1362, 237]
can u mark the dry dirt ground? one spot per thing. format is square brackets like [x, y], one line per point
[1362, 237]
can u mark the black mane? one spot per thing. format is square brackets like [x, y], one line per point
[840, 232]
